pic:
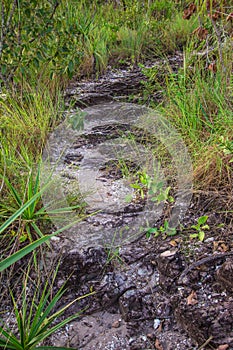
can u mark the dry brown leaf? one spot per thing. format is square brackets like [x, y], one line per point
[175, 242]
[189, 11]
[223, 347]
[223, 247]
[220, 246]
[215, 245]
[212, 67]
[192, 298]
[158, 346]
[160, 327]
[201, 33]
[168, 253]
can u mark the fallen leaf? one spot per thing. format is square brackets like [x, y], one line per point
[160, 328]
[223, 347]
[189, 11]
[201, 33]
[215, 245]
[174, 242]
[220, 246]
[192, 298]
[158, 346]
[223, 247]
[168, 253]
[212, 67]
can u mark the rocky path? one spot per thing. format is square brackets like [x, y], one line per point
[161, 293]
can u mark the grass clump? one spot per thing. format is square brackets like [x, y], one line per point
[74, 39]
[199, 102]
[198, 96]
[64, 35]
[25, 124]
[36, 316]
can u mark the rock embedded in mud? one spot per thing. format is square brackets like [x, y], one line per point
[84, 264]
[169, 267]
[73, 158]
[209, 317]
[224, 275]
[130, 304]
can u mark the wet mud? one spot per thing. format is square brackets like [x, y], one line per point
[161, 293]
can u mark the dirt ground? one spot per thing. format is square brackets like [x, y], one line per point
[157, 293]
[162, 293]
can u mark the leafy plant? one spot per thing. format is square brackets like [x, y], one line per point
[36, 319]
[159, 193]
[165, 230]
[142, 183]
[5, 263]
[34, 212]
[11, 259]
[200, 228]
[76, 120]
[226, 146]
[147, 185]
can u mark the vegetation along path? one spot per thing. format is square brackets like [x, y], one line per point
[116, 204]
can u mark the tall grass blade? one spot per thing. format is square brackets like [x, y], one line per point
[4, 264]
[20, 211]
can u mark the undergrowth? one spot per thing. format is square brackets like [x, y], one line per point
[69, 40]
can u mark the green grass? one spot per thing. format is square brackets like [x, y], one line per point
[82, 38]
[36, 316]
[63, 36]
[25, 124]
[200, 104]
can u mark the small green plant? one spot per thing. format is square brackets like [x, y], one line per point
[147, 185]
[159, 193]
[200, 228]
[36, 319]
[12, 258]
[141, 184]
[32, 214]
[114, 255]
[226, 146]
[165, 230]
[76, 120]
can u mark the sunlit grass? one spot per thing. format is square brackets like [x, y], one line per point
[199, 103]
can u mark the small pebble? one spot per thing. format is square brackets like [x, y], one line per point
[116, 324]
[156, 323]
[210, 239]
[55, 239]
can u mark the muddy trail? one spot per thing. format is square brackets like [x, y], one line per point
[164, 293]
[167, 292]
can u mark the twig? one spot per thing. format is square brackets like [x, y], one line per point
[206, 343]
[202, 262]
